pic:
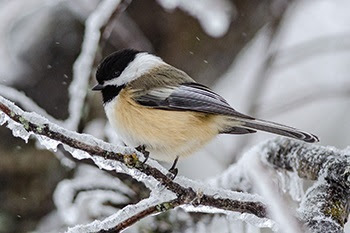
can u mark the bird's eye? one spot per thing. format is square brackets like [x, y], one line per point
[116, 74]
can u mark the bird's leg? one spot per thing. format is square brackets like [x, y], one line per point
[173, 170]
[142, 149]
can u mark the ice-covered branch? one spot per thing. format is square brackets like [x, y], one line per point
[128, 215]
[325, 205]
[144, 213]
[126, 160]
[308, 160]
[324, 208]
[262, 182]
[83, 65]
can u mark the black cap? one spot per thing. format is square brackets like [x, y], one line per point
[114, 64]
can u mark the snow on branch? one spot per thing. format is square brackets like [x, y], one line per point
[127, 216]
[265, 186]
[324, 208]
[85, 200]
[126, 160]
[83, 65]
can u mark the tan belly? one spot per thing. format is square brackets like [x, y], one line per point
[166, 134]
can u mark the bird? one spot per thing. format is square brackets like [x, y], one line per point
[162, 111]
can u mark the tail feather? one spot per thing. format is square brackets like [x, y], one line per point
[279, 129]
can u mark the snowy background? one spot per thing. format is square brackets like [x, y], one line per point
[284, 61]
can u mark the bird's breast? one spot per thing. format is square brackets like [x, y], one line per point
[166, 134]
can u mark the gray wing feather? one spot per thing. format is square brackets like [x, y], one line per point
[188, 97]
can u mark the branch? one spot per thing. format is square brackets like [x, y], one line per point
[325, 205]
[127, 216]
[83, 65]
[126, 160]
[142, 214]
[92, 193]
[265, 186]
[108, 27]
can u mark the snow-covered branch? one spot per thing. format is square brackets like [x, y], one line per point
[127, 216]
[148, 211]
[126, 160]
[83, 65]
[324, 208]
[325, 205]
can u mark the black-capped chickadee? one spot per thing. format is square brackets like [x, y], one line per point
[152, 104]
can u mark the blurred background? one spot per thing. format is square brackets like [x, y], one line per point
[284, 61]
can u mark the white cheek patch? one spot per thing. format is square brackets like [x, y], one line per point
[141, 65]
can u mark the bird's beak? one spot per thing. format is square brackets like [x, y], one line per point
[98, 87]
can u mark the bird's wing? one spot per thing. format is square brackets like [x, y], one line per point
[187, 97]
[199, 98]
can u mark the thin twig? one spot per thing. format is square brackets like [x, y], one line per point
[108, 28]
[147, 212]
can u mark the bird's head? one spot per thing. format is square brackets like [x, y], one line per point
[122, 67]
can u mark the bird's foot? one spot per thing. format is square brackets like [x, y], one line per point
[142, 149]
[172, 172]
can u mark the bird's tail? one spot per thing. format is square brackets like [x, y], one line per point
[250, 125]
